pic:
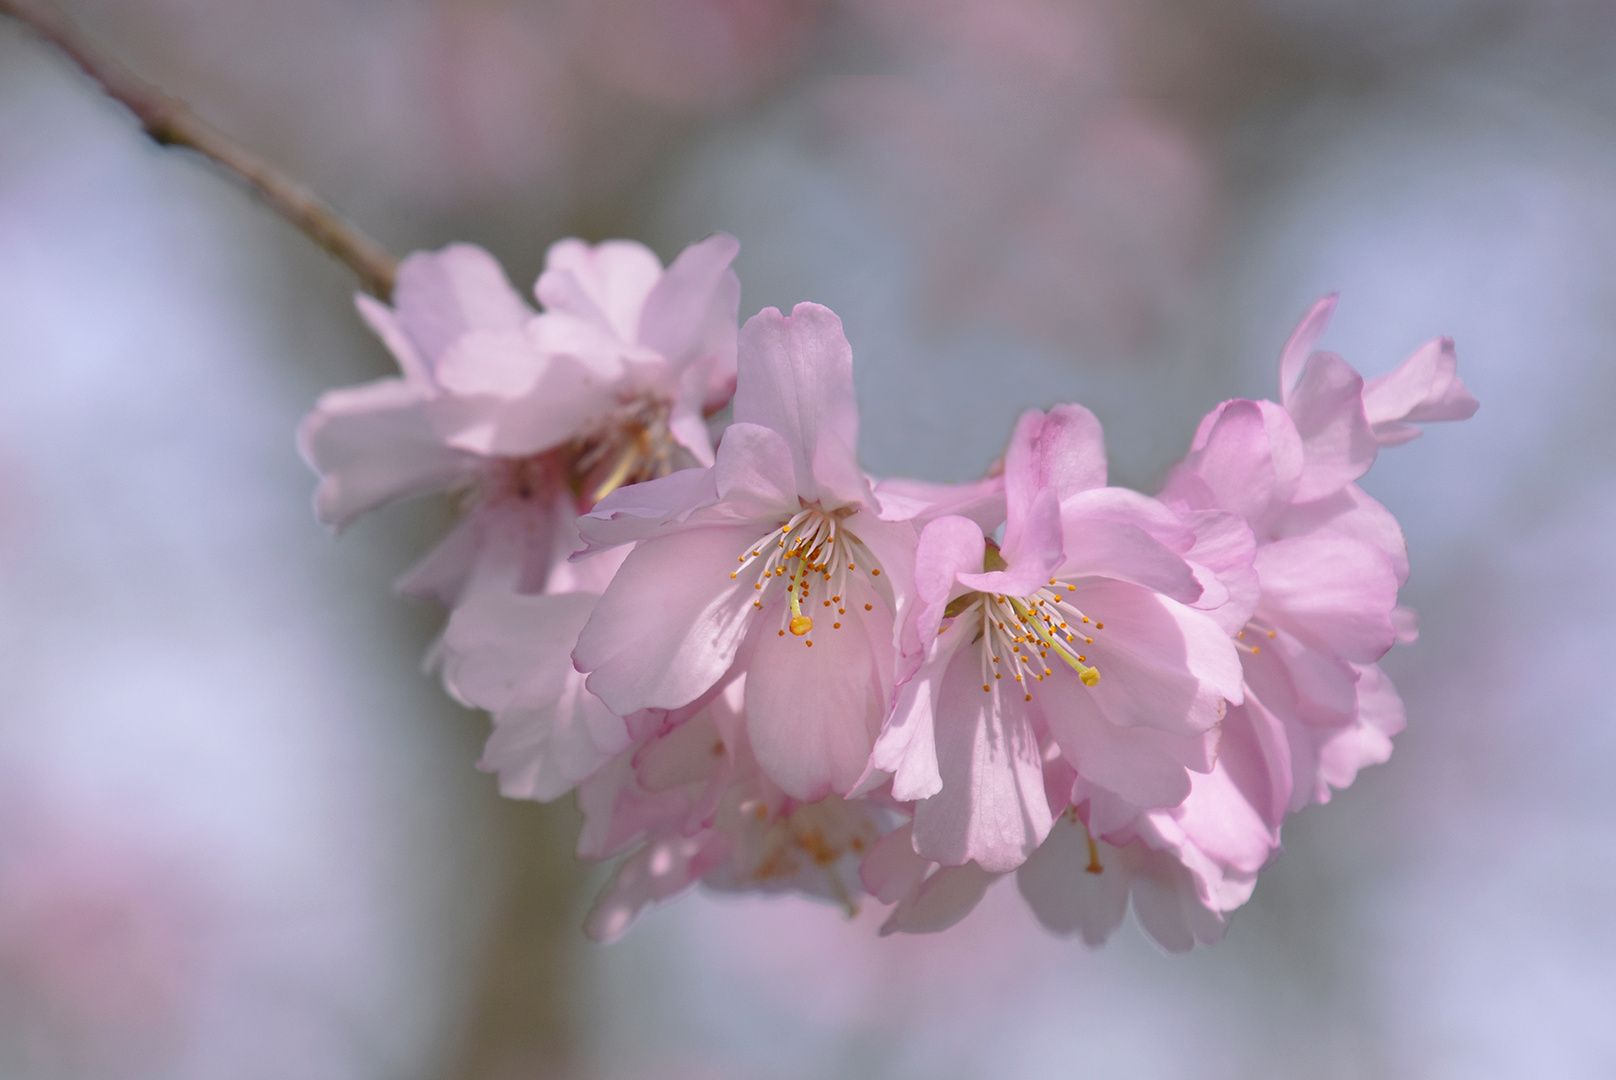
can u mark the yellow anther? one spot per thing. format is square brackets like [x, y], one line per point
[801, 624]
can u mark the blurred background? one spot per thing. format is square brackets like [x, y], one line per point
[240, 830]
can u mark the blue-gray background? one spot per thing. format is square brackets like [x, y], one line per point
[241, 833]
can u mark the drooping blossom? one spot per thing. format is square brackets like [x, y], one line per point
[1317, 708]
[690, 804]
[528, 419]
[774, 561]
[1076, 636]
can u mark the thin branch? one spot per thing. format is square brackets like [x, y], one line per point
[170, 122]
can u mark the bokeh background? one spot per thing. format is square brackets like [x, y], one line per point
[241, 833]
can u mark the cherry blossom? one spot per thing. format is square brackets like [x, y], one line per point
[528, 419]
[774, 560]
[1316, 707]
[1078, 628]
[690, 803]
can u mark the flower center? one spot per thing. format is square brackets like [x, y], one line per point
[1019, 634]
[633, 447]
[813, 554]
[796, 836]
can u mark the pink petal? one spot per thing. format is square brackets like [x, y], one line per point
[906, 750]
[754, 472]
[947, 548]
[659, 871]
[1337, 445]
[813, 711]
[690, 314]
[1100, 548]
[640, 511]
[1034, 550]
[891, 870]
[796, 376]
[1223, 554]
[981, 501]
[1167, 905]
[380, 318]
[443, 294]
[941, 900]
[991, 807]
[606, 284]
[1301, 344]
[508, 654]
[669, 625]
[1368, 741]
[1067, 898]
[560, 399]
[1349, 512]
[1334, 593]
[1424, 388]
[1161, 664]
[375, 443]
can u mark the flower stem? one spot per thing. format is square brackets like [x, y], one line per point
[170, 122]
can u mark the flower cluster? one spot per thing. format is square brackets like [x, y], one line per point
[761, 669]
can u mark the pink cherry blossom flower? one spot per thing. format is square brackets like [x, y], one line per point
[528, 415]
[1329, 563]
[690, 804]
[1077, 630]
[528, 419]
[774, 561]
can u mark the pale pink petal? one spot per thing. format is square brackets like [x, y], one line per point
[1424, 388]
[1348, 512]
[590, 343]
[442, 573]
[1368, 741]
[690, 315]
[941, 900]
[906, 750]
[380, 318]
[991, 807]
[947, 548]
[1301, 344]
[1332, 592]
[639, 511]
[796, 376]
[661, 870]
[1110, 549]
[1406, 621]
[508, 654]
[375, 443]
[1167, 905]
[606, 283]
[1161, 664]
[669, 625]
[1223, 556]
[687, 753]
[1337, 445]
[1143, 766]
[1063, 450]
[1034, 550]
[1232, 814]
[815, 703]
[440, 295]
[754, 472]
[891, 870]
[1296, 680]
[1249, 458]
[981, 501]
[561, 400]
[1068, 898]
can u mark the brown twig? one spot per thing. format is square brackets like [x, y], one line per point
[170, 122]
